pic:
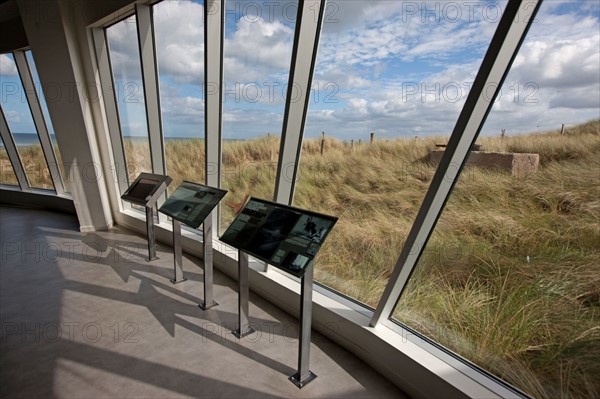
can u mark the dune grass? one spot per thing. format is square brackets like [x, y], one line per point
[7, 174]
[34, 162]
[510, 278]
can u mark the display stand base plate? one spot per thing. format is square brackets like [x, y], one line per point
[177, 282]
[204, 306]
[151, 259]
[238, 334]
[300, 383]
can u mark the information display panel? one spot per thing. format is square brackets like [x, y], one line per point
[191, 203]
[144, 189]
[283, 236]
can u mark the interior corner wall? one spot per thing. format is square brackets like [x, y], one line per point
[52, 37]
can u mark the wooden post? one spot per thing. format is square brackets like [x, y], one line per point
[322, 142]
[562, 130]
[372, 138]
[503, 133]
[352, 143]
[359, 141]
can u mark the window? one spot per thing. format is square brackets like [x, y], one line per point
[258, 46]
[388, 86]
[7, 174]
[509, 278]
[129, 95]
[40, 95]
[179, 32]
[21, 125]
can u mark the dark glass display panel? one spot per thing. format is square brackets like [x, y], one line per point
[283, 236]
[144, 188]
[191, 203]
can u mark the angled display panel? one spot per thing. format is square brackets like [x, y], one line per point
[286, 237]
[191, 203]
[145, 188]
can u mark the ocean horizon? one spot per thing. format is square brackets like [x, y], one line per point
[28, 139]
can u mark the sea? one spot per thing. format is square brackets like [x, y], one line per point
[27, 139]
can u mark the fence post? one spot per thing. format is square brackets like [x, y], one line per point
[503, 133]
[352, 143]
[322, 142]
[372, 138]
[562, 130]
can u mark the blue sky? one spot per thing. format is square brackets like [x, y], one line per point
[390, 67]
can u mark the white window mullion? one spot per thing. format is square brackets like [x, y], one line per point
[214, 27]
[13, 155]
[110, 109]
[495, 66]
[304, 54]
[38, 120]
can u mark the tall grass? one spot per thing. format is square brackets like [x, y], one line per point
[34, 163]
[510, 278]
[7, 174]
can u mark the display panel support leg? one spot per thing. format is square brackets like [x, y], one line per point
[243, 297]
[304, 375]
[209, 302]
[150, 232]
[177, 257]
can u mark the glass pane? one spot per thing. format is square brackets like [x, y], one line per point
[388, 86]
[258, 45]
[510, 277]
[20, 122]
[48, 121]
[129, 93]
[179, 32]
[7, 173]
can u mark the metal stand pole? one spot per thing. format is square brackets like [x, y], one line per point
[243, 297]
[304, 375]
[150, 232]
[209, 302]
[177, 258]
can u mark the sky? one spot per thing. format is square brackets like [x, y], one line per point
[395, 68]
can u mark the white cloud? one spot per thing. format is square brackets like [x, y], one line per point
[258, 51]
[371, 56]
[7, 66]
[179, 31]
[419, 82]
[14, 117]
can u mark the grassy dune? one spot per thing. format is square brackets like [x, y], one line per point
[510, 278]
[35, 166]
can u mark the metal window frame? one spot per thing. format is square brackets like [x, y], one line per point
[39, 121]
[105, 74]
[9, 142]
[147, 51]
[149, 69]
[214, 36]
[13, 154]
[304, 55]
[494, 68]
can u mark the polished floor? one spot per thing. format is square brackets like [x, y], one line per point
[85, 316]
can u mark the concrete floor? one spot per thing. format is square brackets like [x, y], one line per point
[84, 315]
